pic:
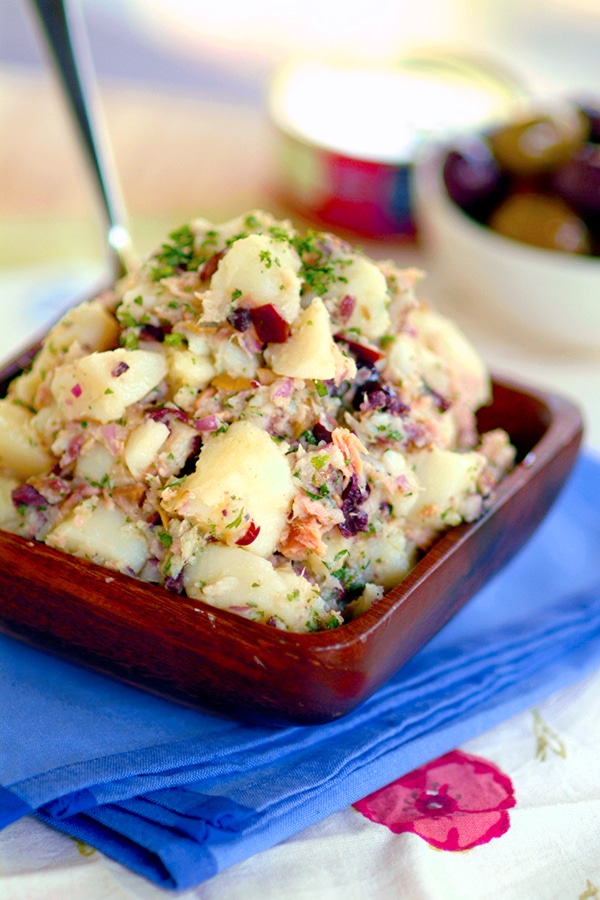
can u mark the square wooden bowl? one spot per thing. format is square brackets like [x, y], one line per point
[193, 653]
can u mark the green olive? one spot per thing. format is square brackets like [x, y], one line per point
[535, 145]
[543, 221]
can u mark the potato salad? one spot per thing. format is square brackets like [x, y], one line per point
[266, 421]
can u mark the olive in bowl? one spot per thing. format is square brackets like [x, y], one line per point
[517, 241]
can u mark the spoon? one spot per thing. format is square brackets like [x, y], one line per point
[64, 32]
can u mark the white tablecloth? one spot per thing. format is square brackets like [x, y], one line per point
[549, 850]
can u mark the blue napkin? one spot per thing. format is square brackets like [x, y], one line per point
[179, 795]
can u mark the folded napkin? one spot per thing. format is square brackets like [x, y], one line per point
[178, 795]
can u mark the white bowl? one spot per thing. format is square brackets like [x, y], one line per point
[546, 297]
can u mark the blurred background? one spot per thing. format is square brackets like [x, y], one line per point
[184, 86]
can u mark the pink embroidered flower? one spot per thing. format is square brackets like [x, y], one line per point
[454, 803]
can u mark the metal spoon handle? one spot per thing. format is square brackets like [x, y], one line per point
[65, 36]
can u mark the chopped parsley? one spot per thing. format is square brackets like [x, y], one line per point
[319, 269]
[126, 319]
[278, 233]
[180, 254]
[266, 258]
[251, 221]
[129, 341]
[237, 521]
[319, 461]
[174, 339]
[308, 437]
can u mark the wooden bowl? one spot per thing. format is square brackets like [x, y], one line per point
[193, 653]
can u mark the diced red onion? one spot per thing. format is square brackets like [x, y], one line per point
[119, 369]
[72, 451]
[249, 341]
[111, 437]
[416, 433]
[27, 495]
[166, 413]
[347, 305]
[284, 389]
[207, 423]
[374, 394]
[321, 433]
[175, 585]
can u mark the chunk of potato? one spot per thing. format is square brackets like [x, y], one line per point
[384, 558]
[367, 284]
[263, 271]
[101, 533]
[234, 360]
[468, 373]
[310, 351]
[411, 364]
[21, 450]
[402, 500]
[86, 328]
[94, 464]
[143, 444]
[196, 336]
[447, 479]
[174, 453]
[229, 577]
[242, 486]
[137, 302]
[9, 518]
[187, 369]
[89, 323]
[101, 386]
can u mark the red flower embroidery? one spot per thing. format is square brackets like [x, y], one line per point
[454, 803]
